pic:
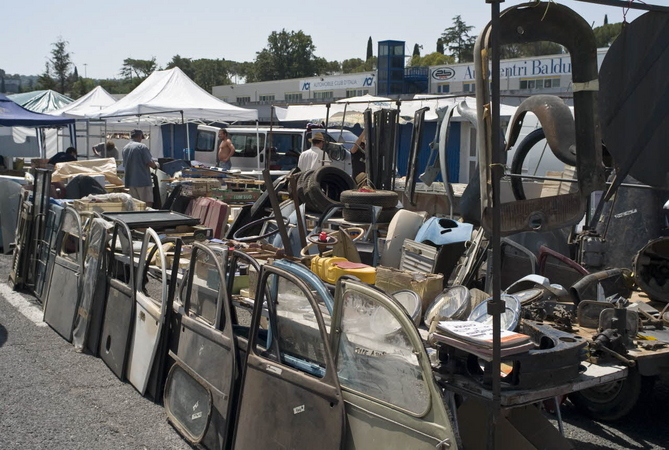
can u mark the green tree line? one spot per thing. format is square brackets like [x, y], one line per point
[288, 54]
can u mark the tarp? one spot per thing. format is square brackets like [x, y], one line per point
[91, 103]
[41, 101]
[167, 94]
[12, 115]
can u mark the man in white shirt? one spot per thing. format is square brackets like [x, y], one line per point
[312, 158]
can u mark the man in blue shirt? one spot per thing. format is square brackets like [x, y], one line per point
[137, 161]
[67, 156]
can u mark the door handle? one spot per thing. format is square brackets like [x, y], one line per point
[142, 316]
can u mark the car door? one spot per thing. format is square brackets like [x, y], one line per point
[390, 395]
[117, 322]
[290, 396]
[150, 307]
[63, 296]
[198, 389]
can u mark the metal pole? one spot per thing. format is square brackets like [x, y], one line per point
[187, 134]
[496, 306]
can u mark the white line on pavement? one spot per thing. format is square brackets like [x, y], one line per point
[31, 311]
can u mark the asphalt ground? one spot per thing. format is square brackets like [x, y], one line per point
[52, 397]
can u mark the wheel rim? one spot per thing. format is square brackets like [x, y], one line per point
[604, 393]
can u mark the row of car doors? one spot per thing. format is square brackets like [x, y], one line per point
[349, 372]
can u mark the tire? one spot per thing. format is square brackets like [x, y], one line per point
[613, 401]
[365, 215]
[385, 199]
[325, 186]
[519, 156]
[302, 184]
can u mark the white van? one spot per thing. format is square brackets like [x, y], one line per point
[251, 148]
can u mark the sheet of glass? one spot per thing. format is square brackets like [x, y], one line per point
[376, 363]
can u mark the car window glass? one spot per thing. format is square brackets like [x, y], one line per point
[205, 288]
[376, 357]
[246, 144]
[206, 141]
[120, 264]
[152, 277]
[296, 329]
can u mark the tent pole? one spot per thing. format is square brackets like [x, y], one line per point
[88, 139]
[187, 135]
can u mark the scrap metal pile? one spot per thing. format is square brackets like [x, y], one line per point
[343, 318]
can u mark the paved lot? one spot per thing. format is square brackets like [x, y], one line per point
[52, 397]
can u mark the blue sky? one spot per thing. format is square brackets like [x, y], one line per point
[102, 34]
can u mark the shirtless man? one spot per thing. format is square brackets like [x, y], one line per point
[225, 150]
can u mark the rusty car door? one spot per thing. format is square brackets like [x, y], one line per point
[198, 389]
[391, 397]
[150, 306]
[290, 396]
[120, 304]
[60, 308]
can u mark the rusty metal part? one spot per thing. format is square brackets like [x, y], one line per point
[556, 120]
[579, 289]
[556, 23]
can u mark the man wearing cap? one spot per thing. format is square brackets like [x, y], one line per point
[312, 158]
[137, 161]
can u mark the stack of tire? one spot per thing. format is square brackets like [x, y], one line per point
[357, 205]
[320, 188]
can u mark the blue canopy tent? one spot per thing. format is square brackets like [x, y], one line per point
[14, 115]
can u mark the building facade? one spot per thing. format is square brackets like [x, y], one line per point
[520, 77]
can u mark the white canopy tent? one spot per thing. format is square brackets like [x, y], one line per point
[169, 96]
[91, 103]
[88, 133]
[317, 113]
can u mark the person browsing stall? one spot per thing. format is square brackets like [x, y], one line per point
[137, 161]
[225, 150]
[106, 150]
[313, 157]
[68, 155]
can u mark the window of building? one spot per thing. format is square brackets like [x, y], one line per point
[243, 100]
[469, 87]
[443, 88]
[323, 94]
[293, 97]
[540, 83]
[266, 98]
[356, 92]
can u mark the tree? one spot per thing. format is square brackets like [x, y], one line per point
[531, 49]
[458, 40]
[60, 64]
[138, 68]
[606, 19]
[440, 46]
[209, 73]
[351, 65]
[416, 50]
[325, 67]
[2, 84]
[45, 80]
[606, 34]
[81, 87]
[432, 59]
[185, 64]
[287, 55]
[370, 50]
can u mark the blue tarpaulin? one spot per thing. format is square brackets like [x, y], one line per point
[14, 115]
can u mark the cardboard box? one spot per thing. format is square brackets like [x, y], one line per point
[426, 285]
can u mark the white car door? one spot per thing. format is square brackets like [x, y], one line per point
[151, 292]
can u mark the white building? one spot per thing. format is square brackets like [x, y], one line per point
[520, 77]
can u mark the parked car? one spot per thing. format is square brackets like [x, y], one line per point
[251, 145]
